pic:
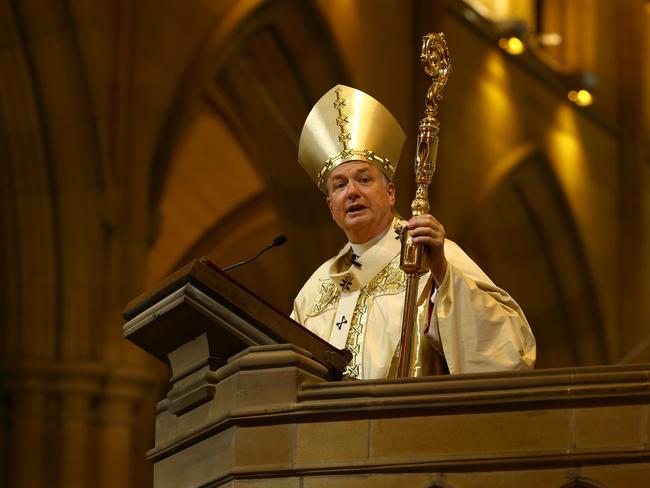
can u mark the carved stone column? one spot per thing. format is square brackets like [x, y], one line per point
[76, 445]
[123, 393]
[27, 450]
[4, 439]
[116, 419]
[68, 424]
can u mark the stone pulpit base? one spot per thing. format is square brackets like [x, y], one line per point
[256, 401]
[274, 421]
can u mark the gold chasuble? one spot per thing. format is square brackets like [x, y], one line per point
[357, 305]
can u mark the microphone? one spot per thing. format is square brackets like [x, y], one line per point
[278, 241]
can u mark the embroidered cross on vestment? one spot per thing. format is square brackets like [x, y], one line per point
[341, 323]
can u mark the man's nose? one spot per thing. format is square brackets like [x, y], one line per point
[353, 189]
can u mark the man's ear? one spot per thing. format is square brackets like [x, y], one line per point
[328, 199]
[390, 188]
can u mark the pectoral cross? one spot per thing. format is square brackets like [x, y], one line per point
[346, 282]
[341, 323]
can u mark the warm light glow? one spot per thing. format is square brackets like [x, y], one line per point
[549, 39]
[494, 107]
[512, 45]
[567, 154]
[581, 98]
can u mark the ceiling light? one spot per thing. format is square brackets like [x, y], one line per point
[581, 86]
[511, 35]
[512, 45]
[582, 97]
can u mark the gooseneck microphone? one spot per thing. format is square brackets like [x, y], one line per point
[278, 241]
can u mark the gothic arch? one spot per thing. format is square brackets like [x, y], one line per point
[525, 236]
[43, 253]
[260, 83]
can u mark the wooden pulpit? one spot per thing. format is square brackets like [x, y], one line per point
[257, 401]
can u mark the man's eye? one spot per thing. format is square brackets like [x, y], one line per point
[339, 185]
[364, 179]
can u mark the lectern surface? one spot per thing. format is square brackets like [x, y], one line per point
[201, 299]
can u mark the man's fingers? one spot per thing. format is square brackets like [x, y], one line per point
[426, 229]
[423, 221]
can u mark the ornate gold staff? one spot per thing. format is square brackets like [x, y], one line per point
[414, 259]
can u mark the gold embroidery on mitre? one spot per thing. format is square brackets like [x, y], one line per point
[389, 281]
[342, 119]
[347, 153]
[346, 124]
[383, 164]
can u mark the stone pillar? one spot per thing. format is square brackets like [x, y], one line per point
[4, 440]
[117, 413]
[27, 435]
[76, 449]
[69, 425]
[116, 419]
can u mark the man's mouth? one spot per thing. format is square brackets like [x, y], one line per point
[357, 207]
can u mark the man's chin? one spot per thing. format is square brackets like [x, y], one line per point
[357, 218]
[357, 225]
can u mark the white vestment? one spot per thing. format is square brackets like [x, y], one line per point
[357, 303]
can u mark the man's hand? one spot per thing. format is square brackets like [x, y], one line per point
[426, 230]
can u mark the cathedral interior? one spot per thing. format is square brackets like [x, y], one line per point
[136, 136]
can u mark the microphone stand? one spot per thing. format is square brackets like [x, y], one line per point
[278, 241]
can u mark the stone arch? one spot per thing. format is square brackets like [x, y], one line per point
[58, 385]
[524, 235]
[29, 217]
[260, 85]
[54, 239]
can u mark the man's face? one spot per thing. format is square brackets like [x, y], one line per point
[360, 200]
